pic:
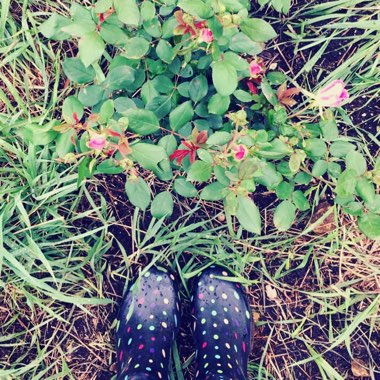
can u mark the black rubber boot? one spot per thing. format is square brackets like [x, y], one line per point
[147, 327]
[222, 327]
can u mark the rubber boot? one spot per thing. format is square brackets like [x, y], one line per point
[222, 327]
[148, 325]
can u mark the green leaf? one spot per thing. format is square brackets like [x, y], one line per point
[80, 28]
[218, 104]
[165, 51]
[106, 111]
[315, 148]
[127, 11]
[63, 143]
[91, 95]
[353, 208]
[39, 135]
[102, 6]
[184, 188]
[334, 169]
[243, 96]
[248, 215]
[346, 183]
[162, 205]
[329, 129]
[109, 166]
[160, 105]
[276, 150]
[341, 148]
[138, 192]
[148, 10]
[356, 162]
[219, 138]
[72, 110]
[113, 34]
[269, 93]
[142, 122]
[319, 168]
[169, 143]
[270, 177]
[213, 192]
[91, 48]
[199, 171]
[198, 88]
[284, 190]
[365, 190]
[257, 29]
[224, 77]
[196, 8]
[149, 156]
[119, 78]
[241, 43]
[369, 224]
[52, 27]
[77, 72]
[300, 201]
[302, 178]
[284, 215]
[136, 48]
[181, 116]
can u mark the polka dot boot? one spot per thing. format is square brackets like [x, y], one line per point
[222, 327]
[147, 327]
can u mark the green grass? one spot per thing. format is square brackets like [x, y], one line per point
[315, 297]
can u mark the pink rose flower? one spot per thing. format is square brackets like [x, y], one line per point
[206, 35]
[255, 69]
[97, 142]
[333, 94]
[240, 152]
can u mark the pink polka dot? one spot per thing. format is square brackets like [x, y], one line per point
[153, 338]
[200, 296]
[244, 347]
[141, 346]
[141, 301]
[129, 329]
[204, 345]
[121, 356]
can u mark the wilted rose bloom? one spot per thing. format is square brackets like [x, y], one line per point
[240, 152]
[206, 35]
[333, 94]
[97, 142]
[256, 68]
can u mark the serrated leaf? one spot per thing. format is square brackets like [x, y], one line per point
[284, 215]
[257, 29]
[162, 205]
[181, 115]
[185, 188]
[138, 193]
[199, 171]
[127, 11]
[224, 77]
[369, 224]
[91, 48]
[248, 215]
[142, 122]
[136, 48]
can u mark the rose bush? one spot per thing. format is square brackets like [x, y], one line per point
[177, 88]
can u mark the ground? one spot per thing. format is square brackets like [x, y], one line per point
[314, 291]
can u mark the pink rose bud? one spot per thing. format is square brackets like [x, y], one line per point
[256, 68]
[333, 94]
[97, 142]
[206, 36]
[240, 152]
